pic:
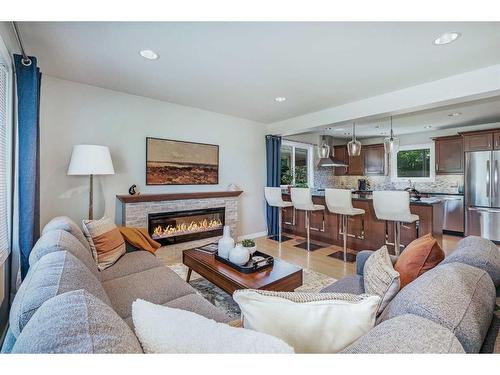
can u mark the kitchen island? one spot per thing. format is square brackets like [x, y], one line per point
[430, 213]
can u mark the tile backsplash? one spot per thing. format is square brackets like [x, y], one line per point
[324, 178]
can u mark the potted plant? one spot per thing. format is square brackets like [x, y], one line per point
[249, 245]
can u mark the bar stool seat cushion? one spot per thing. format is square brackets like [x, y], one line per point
[401, 218]
[281, 204]
[347, 211]
[309, 207]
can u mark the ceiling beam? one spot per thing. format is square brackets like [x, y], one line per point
[477, 84]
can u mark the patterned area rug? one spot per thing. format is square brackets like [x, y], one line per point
[313, 282]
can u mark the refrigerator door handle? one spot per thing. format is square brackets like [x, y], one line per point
[495, 180]
[482, 209]
[488, 185]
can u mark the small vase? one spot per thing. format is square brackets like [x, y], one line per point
[251, 250]
[239, 255]
[226, 243]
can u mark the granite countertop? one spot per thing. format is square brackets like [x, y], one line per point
[368, 197]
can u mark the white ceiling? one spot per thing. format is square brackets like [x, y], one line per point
[471, 113]
[239, 68]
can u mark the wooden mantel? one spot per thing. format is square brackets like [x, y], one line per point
[177, 196]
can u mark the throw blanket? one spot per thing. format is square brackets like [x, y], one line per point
[139, 237]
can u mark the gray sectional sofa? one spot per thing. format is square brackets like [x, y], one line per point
[452, 308]
[65, 305]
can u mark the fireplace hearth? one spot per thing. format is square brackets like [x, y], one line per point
[175, 227]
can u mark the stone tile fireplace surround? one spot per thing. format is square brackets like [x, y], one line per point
[136, 208]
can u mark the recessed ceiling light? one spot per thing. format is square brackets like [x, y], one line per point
[427, 126]
[280, 99]
[447, 38]
[455, 114]
[149, 54]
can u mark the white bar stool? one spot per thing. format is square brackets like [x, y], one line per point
[274, 198]
[339, 201]
[394, 206]
[302, 200]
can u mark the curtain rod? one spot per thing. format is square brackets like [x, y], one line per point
[26, 61]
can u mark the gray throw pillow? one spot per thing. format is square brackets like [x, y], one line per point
[54, 274]
[65, 223]
[76, 322]
[60, 240]
[380, 278]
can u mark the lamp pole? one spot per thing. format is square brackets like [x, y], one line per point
[91, 195]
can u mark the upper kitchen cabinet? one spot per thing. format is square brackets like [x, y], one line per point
[449, 155]
[496, 140]
[374, 160]
[340, 153]
[356, 165]
[478, 141]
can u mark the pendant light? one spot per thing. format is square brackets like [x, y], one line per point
[391, 144]
[354, 146]
[323, 148]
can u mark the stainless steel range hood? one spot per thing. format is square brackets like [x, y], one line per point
[329, 160]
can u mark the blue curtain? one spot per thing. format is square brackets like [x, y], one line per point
[28, 167]
[273, 154]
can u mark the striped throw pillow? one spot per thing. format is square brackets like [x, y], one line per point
[106, 242]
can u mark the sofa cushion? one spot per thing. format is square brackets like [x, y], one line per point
[54, 274]
[76, 322]
[106, 242]
[457, 296]
[161, 329]
[352, 284]
[136, 261]
[198, 305]
[406, 334]
[60, 240]
[158, 285]
[380, 278]
[418, 257]
[478, 252]
[68, 225]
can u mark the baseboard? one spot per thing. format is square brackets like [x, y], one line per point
[252, 236]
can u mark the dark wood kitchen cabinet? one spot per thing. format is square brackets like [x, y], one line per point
[340, 153]
[478, 141]
[496, 140]
[356, 165]
[374, 160]
[449, 155]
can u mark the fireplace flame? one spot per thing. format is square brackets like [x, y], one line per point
[186, 228]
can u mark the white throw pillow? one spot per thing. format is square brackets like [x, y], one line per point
[380, 277]
[309, 322]
[162, 329]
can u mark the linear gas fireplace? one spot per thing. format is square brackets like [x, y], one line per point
[181, 226]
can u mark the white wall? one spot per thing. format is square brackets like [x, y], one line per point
[73, 113]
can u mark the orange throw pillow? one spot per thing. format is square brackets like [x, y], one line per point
[418, 257]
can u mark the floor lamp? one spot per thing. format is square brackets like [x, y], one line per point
[90, 160]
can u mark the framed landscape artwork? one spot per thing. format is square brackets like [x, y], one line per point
[170, 162]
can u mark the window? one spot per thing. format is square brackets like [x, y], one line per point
[296, 164]
[415, 162]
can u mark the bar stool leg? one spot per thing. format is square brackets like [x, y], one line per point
[307, 231]
[279, 226]
[344, 229]
[397, 237]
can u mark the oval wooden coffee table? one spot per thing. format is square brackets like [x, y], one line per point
[282, 276]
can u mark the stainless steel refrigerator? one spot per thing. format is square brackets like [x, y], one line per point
[482, 194]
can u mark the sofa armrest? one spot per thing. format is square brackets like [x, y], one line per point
[362, 257]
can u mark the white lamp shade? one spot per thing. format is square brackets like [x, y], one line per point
[90, 159]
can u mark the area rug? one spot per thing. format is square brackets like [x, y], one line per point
[313, 282]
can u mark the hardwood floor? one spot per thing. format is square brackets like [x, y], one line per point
[318, 260]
